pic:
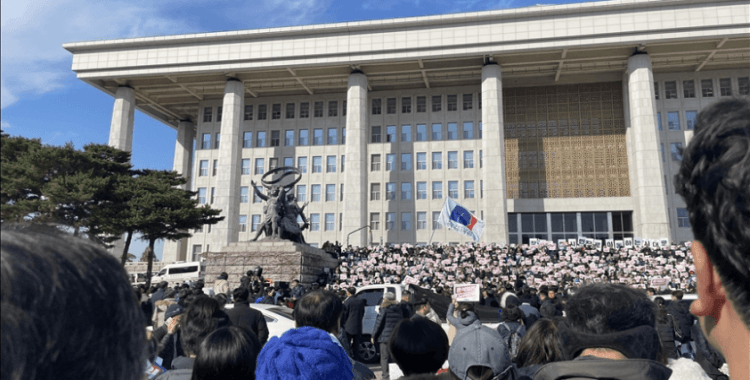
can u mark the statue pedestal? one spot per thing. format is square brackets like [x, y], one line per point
[281, 260]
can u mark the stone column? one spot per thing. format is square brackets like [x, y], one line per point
[651, 219]
[355, 176]
[183, 164]
[228, 180]
[123, 112]
[493, 147]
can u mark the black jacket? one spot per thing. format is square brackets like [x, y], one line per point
[408, 309]
[354, 311]
[589, 368]
[244, 316]
[709, 358]
[666, 335]
[385, 322]
[682, 318]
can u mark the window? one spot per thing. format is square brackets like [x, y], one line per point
[374, 191]
[375, 135]
[256, 198]
[333, 108]
[217, 140]
[690, 117]
[435, 217]
[743, 85]
[406, 133]
[377, 106]
[215, 168]
[535, 225]
[670, 90]
[261, 142]
[375, 221]
[725, 86]
[275, 138]
[437, 160]
[468, 159]
[245, 166]
[390, 162]
[259, 166]
[437, 132]
[317, 164]
[421, 190]
[288, 161]
[318, 136]
[318, 109]
[276, 111]
[421, 104]
[658, 121]
[315, 195]
[203, 171]
[343, 160]
[673, 121]
[452, 103]
[453, 189]
[480, 129]
[201, 195]
[304, 137]
[468, 102]
[390, 106]
[676, 151]
[390, 134]
[219, 113]
[406, 221]
[481, 158]
[452, 131]
[564, 225]
[330, 193]
[452, 160]
[244, 194]
[249, 112]
[437, 190]
[301, 193]
[262, 111]
[390, 191]
[656, 90]
[682, 218]
[707, 88]
[390, 220]
[247, 140]
[343, 135]
[304, 110]
[405, 191]
[375, 163]
[332, 136]
[314, 222]
[437, 103]
[421, 220]
[207, 114]
[421, 132]
[343, 108]
[255, 223]
[481, 192]
[273, 163]
[469, 189]
[196, 252]
[688, 89]
[422, 161]
[331, 164]
[405, 105]
[289, 111]
[468, 130]
[302, 164]
[341, 193]
[663, 157]
[406, 162]
[330, 222]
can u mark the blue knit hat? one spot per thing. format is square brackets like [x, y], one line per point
[304, 353]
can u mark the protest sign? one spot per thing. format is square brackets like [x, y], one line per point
[628, 242]
[466, 292]
[659, 282]
[410, 280]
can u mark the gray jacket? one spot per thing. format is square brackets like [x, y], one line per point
[590, 368]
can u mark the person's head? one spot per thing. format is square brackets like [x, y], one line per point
[479, 352]
[464, 308]
[227, 353]
[222, 298]
[388, 300]
[66, 304]
[351, 291]
[422, 306]
[163, 285]
[320, 309]
[677, 295]
[170, 293]
[240, 294]
[714, 181]
[418, 346]
[650, 291]
[548, 310]
[511, 313]
[222, 276]
[295, 283]
[540, 345]
[198, 321]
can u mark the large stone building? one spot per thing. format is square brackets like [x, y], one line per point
[546, 121]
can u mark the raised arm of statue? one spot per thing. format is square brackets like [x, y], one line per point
[258, 193]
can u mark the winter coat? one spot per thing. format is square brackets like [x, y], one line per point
[590, 368]
[298, 291]
[666, 335]
[221, 287]
[387, 319]
[242, 315]
[160, 308]
[683, 319]
[458, 322]
[354, 311]
[513, 326]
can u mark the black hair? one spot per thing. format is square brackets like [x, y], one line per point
[661, 311]
[511, 313]
[68, 311]
[603, 308]
[182, 296]
[464, 308]
[540, 345]
[227, 353]
[169, 293]
[199, 321]
[678, 294]
[351, 290]
[240, 294]
[418, 346]
[320, 309]
[222, 298]
[714, 181]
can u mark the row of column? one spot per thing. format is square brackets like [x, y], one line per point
[646, 173]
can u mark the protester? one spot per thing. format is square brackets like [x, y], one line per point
[479, 352]
[242, 315]
[665, 326]
[714, 181]
[227, 353]
[424, 310]
[418, 346]
[221, 286]
[68, 311]
[540, 345]
[297, 290]
[354, 311]
[683, 320]
[160, 307]
[390, 314]
[512, 329]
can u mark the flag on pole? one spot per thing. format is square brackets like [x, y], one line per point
[458, 218]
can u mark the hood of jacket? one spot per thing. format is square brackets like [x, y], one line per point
[589, 368]
[471, 318]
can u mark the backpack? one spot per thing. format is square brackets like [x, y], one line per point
[513, 341]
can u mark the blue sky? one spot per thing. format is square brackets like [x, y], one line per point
[41, 97]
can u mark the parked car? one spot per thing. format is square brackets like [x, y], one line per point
[180, 272]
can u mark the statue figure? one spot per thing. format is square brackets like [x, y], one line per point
[281, 211]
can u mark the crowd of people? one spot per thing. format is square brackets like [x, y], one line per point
[68, 311]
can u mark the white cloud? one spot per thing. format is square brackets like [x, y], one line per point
[4, 125]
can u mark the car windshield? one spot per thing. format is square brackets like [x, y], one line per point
[282, 311]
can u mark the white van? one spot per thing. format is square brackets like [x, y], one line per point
[180, 272]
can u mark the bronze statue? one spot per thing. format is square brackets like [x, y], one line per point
[280, 211]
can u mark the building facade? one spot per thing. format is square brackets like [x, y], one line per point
[548, 122]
